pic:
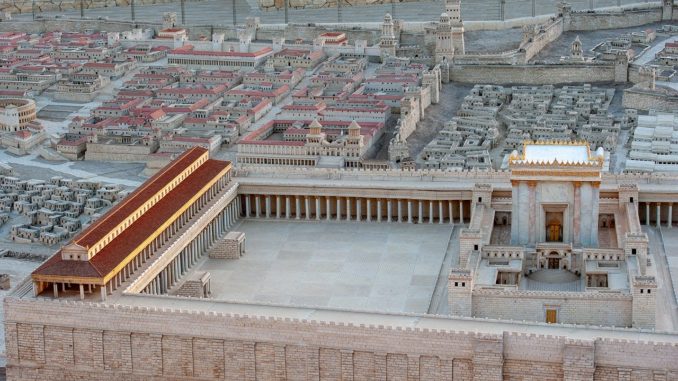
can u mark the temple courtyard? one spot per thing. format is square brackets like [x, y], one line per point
[362, 266]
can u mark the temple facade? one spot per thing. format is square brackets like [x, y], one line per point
[558, 254]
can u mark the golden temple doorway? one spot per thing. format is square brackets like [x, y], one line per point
[554, 231]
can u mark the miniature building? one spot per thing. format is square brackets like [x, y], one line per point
[196, 286]
[653, 144]
[4, 282]
[232, 246]
[16, 114]
[562, 254]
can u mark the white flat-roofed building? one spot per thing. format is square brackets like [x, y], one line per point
[187, 56]
[654, 146]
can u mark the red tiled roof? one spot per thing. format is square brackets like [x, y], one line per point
[119, 248]
[121, 211]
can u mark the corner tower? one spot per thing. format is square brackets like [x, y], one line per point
[453, 9]
[444, 44]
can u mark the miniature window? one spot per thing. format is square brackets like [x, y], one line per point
[633, 251]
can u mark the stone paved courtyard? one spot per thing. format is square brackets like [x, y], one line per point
[365, 266]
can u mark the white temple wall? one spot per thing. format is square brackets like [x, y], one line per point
[572, 308]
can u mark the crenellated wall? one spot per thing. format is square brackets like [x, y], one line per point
[50, 340]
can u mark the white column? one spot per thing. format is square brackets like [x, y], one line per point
[369, 209]
[379, 210]
[268, 206]
[461, 211]
[647, 213]
[441, 216]
[348, 209]
[257, 206]
[421, 211]
[338, 209]
[82, 292]
[659, 214]
[277, 206]
[248, 207]
[287, 207]
[358, 209]
[450, 212]
[409, 211]
[297, 204]
[389, 210]
[317, 207]
[400, 210]
[328, 208]
[307, 205]
[430, 212]
[669, 218]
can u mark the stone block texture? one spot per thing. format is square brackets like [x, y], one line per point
[49, 340]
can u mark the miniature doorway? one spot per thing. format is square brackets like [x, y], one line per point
[551, 316]
[553, 263]
[554, 226]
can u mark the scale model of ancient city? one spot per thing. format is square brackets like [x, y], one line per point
[339, 190]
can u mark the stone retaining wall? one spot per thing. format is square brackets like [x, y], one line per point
[532, 74]
[49, 340]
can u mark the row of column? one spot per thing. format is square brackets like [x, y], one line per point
[354, 209]
[660, 209]
[189, 255]
[148, 252]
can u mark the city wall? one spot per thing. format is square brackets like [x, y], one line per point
[48, 340]
[644, 99]
[531, 74]
[625, 18]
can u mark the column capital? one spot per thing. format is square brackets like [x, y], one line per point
[531, 183]
[576, 184]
